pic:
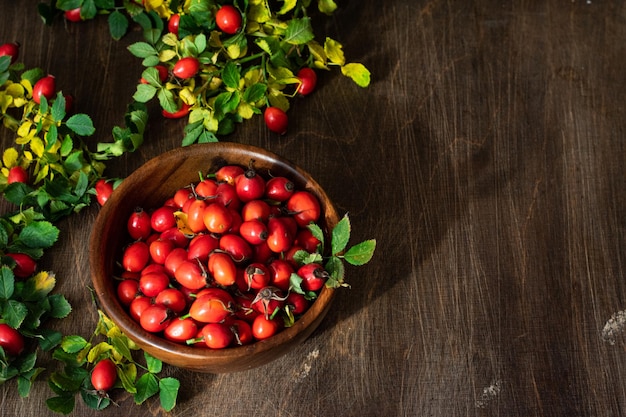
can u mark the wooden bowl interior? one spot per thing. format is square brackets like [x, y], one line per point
[148, 187]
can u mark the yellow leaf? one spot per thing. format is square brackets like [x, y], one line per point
[166, 55]
[28, 156]
[170, 39]
[98, 350]
[20, 101]
[359, 74]
[5, 172]
[318, 53]
[252, 76]
[288, 5]
[278, 99]
[104, 324]
[214, 40]
[114, 332]
[245, 110]
[24, 129]
[211, 123]
[233, 51]
[181, 223]
[334, 51]
[15, 90]
[43, 282]
[5, 102]
[28, 86]
[9, 157]
[198, 115]
[215, 83]
[280, 74]
[82, 355]
[187, 96]
[37, 146]
[259, 13]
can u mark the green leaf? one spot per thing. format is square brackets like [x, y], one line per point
[25, 362]
[151, 75]
[318, 233]
[14, 313]
[62, 404]
[295, 283]
[192, 133]
[299, 31]
[25, 381]
[51, 136]
[5, 62]
[200, 42]
[39, 234]
[231, 75]
[7, 282]
[336, 270]
[227, 102]
[74, 161]
[120, 344]
[118, 25]
[88, 10]
[358, 73]
[49, 339]
[340, 235]
[167, 100]
[254, 93]
[32, 75]
[105, 4]
[81, 124]
[127, 373]
[145, 92]
[361, 253]
[66, 146]
[73, 343]
[93, 400]
[153, 364]
[58, 108]
[168, 392]
[68, 4]
[59, 306]
[147, 385]
[4, 234]
[142, 50]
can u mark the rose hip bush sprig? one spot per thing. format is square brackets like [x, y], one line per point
[57, 168]
[105, 362]
[219, 63]
[220, 77]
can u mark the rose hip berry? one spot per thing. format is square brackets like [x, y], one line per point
[276, 120]
[44, 87]
[228, 19]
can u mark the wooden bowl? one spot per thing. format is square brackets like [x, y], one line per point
[148, 187]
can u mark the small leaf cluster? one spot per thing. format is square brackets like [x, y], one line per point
[25, 306]
[356, 255]
[137, 376]
[49, 145]
[240, 74]
[28, 304]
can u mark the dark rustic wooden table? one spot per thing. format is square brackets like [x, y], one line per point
[487, 158]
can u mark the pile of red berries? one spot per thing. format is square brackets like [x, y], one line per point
[217, 264]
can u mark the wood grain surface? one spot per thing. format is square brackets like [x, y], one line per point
[487, 159]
